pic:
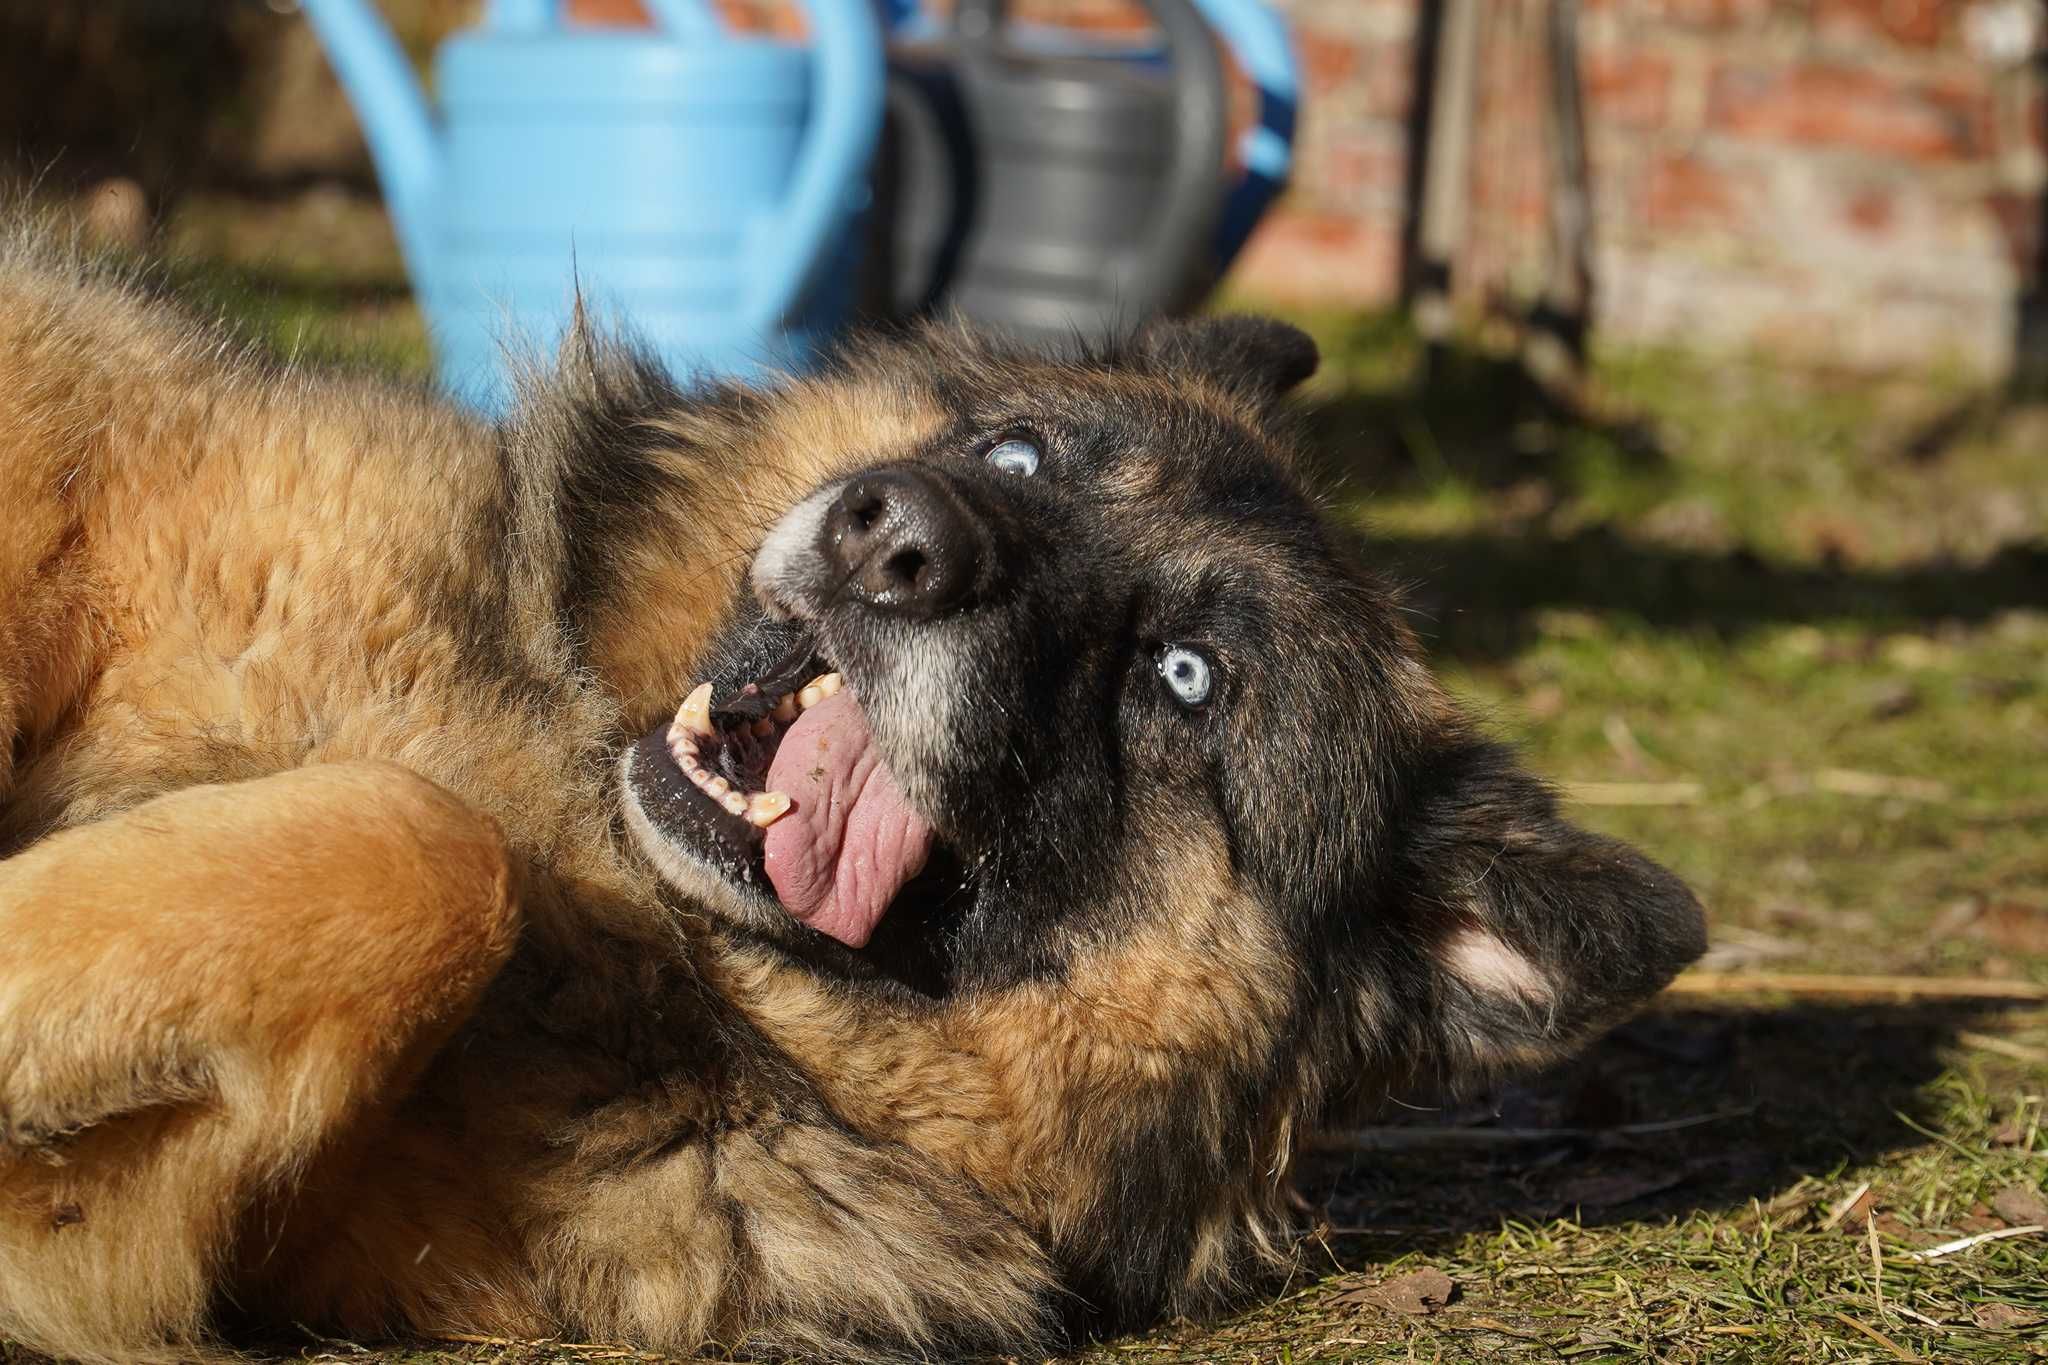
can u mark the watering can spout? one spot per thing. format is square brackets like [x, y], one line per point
[404, 140]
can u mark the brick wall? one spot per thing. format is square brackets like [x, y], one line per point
[1856, 182]
[1850, 182]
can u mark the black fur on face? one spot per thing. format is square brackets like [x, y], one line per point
[1145, 625]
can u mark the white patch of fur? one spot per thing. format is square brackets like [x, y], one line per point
[1488, 965]
[789, 558]
[913, 709]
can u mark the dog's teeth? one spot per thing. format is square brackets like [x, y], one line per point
[819, 688]
[717, 786]
[694, 716]
[765, 808]
[734, 803]
[785, 709]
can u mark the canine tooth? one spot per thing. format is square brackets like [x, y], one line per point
[734, 803]
[765, 808]
[694, 716]
[785, 709]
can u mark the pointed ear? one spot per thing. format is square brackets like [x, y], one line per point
[1257, 359]
[1525, 933]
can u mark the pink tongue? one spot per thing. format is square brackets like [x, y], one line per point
[849, 841]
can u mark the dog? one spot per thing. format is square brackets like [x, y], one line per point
[882, 863]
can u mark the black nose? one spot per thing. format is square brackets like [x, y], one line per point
[906, 542]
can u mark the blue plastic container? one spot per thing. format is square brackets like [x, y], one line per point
[701, 186]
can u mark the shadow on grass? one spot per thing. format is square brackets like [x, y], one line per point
[1481, 423]
[1465, 413]
[1801, 1090]
[1476, 596]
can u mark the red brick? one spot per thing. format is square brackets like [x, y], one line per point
[1871, 211]
[1712, 14]
[1322, 258]
[1327, 60]
[1815, 104]
[1686, 192]
[762, 16]
[1969, 101]
[1386, 78]
[1915, 23]
[1362, 162]
[1100, 16]
[1627, 87]
[625, 13]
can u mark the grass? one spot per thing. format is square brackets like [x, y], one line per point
[1810, 614]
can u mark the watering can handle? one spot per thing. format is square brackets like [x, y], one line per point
[978, 21]
[1184, 221]
[1259, 39]
[397, 123]
[795, 248]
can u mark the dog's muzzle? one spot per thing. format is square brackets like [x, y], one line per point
[901, 541]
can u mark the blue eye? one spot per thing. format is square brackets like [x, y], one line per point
[1186, 674]
[1015, 455]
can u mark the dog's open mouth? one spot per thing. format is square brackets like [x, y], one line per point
[786, 769]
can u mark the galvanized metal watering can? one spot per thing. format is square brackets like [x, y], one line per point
[702, 186]
[1056, 185]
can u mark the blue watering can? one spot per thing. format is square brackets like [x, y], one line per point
[702, 186]
[1258, 39]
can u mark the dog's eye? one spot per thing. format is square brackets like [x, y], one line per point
[1014, 455]
[1185, 673]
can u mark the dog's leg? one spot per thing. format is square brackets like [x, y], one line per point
[194, 996]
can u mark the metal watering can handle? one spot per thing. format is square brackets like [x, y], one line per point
[1160, 272]
[1260, 40]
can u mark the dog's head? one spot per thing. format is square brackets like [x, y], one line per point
[1086, 623]
[1073, 689]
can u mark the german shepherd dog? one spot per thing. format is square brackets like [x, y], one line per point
[883, 863]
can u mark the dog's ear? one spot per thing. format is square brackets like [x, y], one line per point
[1257, 359]
[1521, 934]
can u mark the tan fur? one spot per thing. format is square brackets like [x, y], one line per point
[992, 1090]
[158, 1030]
[332, 987]
[243, 767]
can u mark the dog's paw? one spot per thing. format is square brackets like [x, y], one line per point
[50, 1095]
